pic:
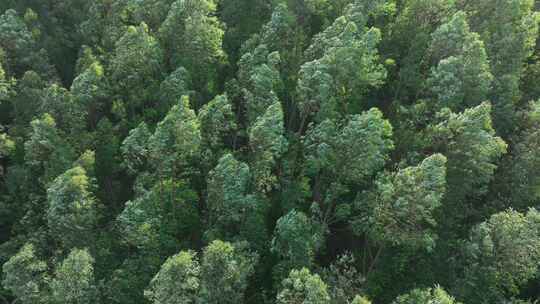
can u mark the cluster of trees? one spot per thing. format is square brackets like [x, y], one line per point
[284, 151]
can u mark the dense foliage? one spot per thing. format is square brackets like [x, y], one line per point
[269, 151]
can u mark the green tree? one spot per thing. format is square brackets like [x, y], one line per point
[280, 35]
[473, 150]
[192, 38]
[129, 280]
[171, 90]
[74, 281]
[72, 209]
[47, 152]
[303, 287]
[135, 149]
[509, 29]
[162, 220]
[408, 41]
[52, 24]
[260, 79]
[343, 67]
[70, 116]
[296, 240]
[344, 280]
[23, 50]
[225, 270]
[152, 12]
[136, 68]
[237, 16]
[177, 282]
[7, 146]
[90, 90]
[28, 92]
[105, 23]
[176, 141]
[218, 123]
[523, 180]
[6, 83]
[339, 154]
[462, 76]
[268, 143]
[332, 148]
[220, 277]
[426, 296]
[400, 211]
[503, 253]
[25, 275]
[234, 213]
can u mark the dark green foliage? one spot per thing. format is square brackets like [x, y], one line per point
[350, 152]
[268, 144]
[192, 38]
[225, 270]
[524, 180]
[343, 68]
[25, 276]
[469, 142]
[161, 219]
[401, 209]
[25, 103]
[425, 296]
[269, 151]
[408, 41]
[74, 281]
[303, 287]
[72, 210]
[233, 212]
[462, 77]
[176, 141]
[135, 149]
[296, 240]
[509, 30]
[503, 254]
[221, 276]
[218, 126]
[21, 45]
[171, 90]
[136, 68]
[178, 281]
[47, 152]
[344, 281]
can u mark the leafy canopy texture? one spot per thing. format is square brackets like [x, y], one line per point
[178, 280]
[425, 296]
[303, 287]
[219, 277]
[401, 211]
[25, 275]
[469, 142]
[269, 151]
[74, 279]
[463, 76]
[177, 139]
[72, 210]
[503, 235]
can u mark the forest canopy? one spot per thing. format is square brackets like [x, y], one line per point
[269, 151]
